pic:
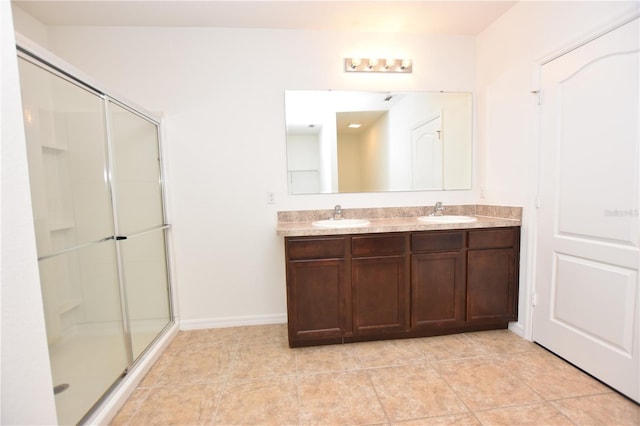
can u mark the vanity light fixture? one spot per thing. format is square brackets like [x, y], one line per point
[377, 65]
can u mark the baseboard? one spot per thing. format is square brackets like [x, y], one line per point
[517, 328]
[199, 324]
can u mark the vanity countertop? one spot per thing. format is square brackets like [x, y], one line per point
[404, 219]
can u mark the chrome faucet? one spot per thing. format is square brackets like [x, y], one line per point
[438, 209]
[337, 212]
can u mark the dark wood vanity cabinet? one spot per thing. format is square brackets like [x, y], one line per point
[318, 289]
[492, 275]
[406, 284]
[380, 284]
[437, 279]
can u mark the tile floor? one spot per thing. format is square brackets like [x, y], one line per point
[249, 376]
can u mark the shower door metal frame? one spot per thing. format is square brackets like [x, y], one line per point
[107, 100]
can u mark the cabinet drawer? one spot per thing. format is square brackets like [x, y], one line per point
[493, 238]
[377, 245]
[437, 241]
[315, 248]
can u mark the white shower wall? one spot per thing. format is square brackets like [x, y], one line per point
[68, 191]
[72, 207]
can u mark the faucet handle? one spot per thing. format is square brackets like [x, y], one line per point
[437, 209]
[337, 212]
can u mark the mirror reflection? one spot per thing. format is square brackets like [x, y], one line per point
[346, 141]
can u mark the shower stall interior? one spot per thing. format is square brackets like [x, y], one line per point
[97, 193]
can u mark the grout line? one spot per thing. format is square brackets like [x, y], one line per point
[233, 355]
[444, 379]
[386, 415]
[138, 406]
[529, 404]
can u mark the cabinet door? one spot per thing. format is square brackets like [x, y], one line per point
[492, 286]
[437, 289]
[316, 299]
[380, 295]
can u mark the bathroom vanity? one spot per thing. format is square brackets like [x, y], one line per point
[399, 278]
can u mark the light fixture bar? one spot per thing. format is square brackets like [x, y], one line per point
[378, 65]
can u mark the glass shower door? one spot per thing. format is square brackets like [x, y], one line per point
[140, 223]
[96, 187]
[66, 137]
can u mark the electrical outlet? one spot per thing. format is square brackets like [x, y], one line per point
[271, 198]
[483, 192]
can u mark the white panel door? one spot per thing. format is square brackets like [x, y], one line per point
[587, 307]
[426, 142]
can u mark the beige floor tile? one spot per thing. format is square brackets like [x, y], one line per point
[197, 365]
[179, 405]
[130, 408]
[339, 398]
[263, 334]
[550, 376]
[389, 353]
[427, 381]
[272, 401]
[500, 341]
[156, 370]
[202, 338]
[414, 391]
[319, 359]
[596, 410]
[454, 346]
[262, 360]
[482, 383]
[534, 415]
[452, 420]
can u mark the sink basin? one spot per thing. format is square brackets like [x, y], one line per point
[340, 223]
[447, 219]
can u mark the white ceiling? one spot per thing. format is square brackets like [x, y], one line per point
[421, 17]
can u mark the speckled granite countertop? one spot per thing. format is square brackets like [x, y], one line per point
[396, 219]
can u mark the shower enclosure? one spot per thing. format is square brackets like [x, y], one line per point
[96, 188]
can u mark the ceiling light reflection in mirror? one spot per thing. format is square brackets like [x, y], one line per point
[353, 141]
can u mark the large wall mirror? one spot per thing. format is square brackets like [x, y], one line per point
[346, 141]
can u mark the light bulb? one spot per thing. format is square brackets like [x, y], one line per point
[406, 63]
[355, 63]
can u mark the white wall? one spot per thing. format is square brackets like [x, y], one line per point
[26, 387]
[229, 262]
[222, 95]
[509, 53]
